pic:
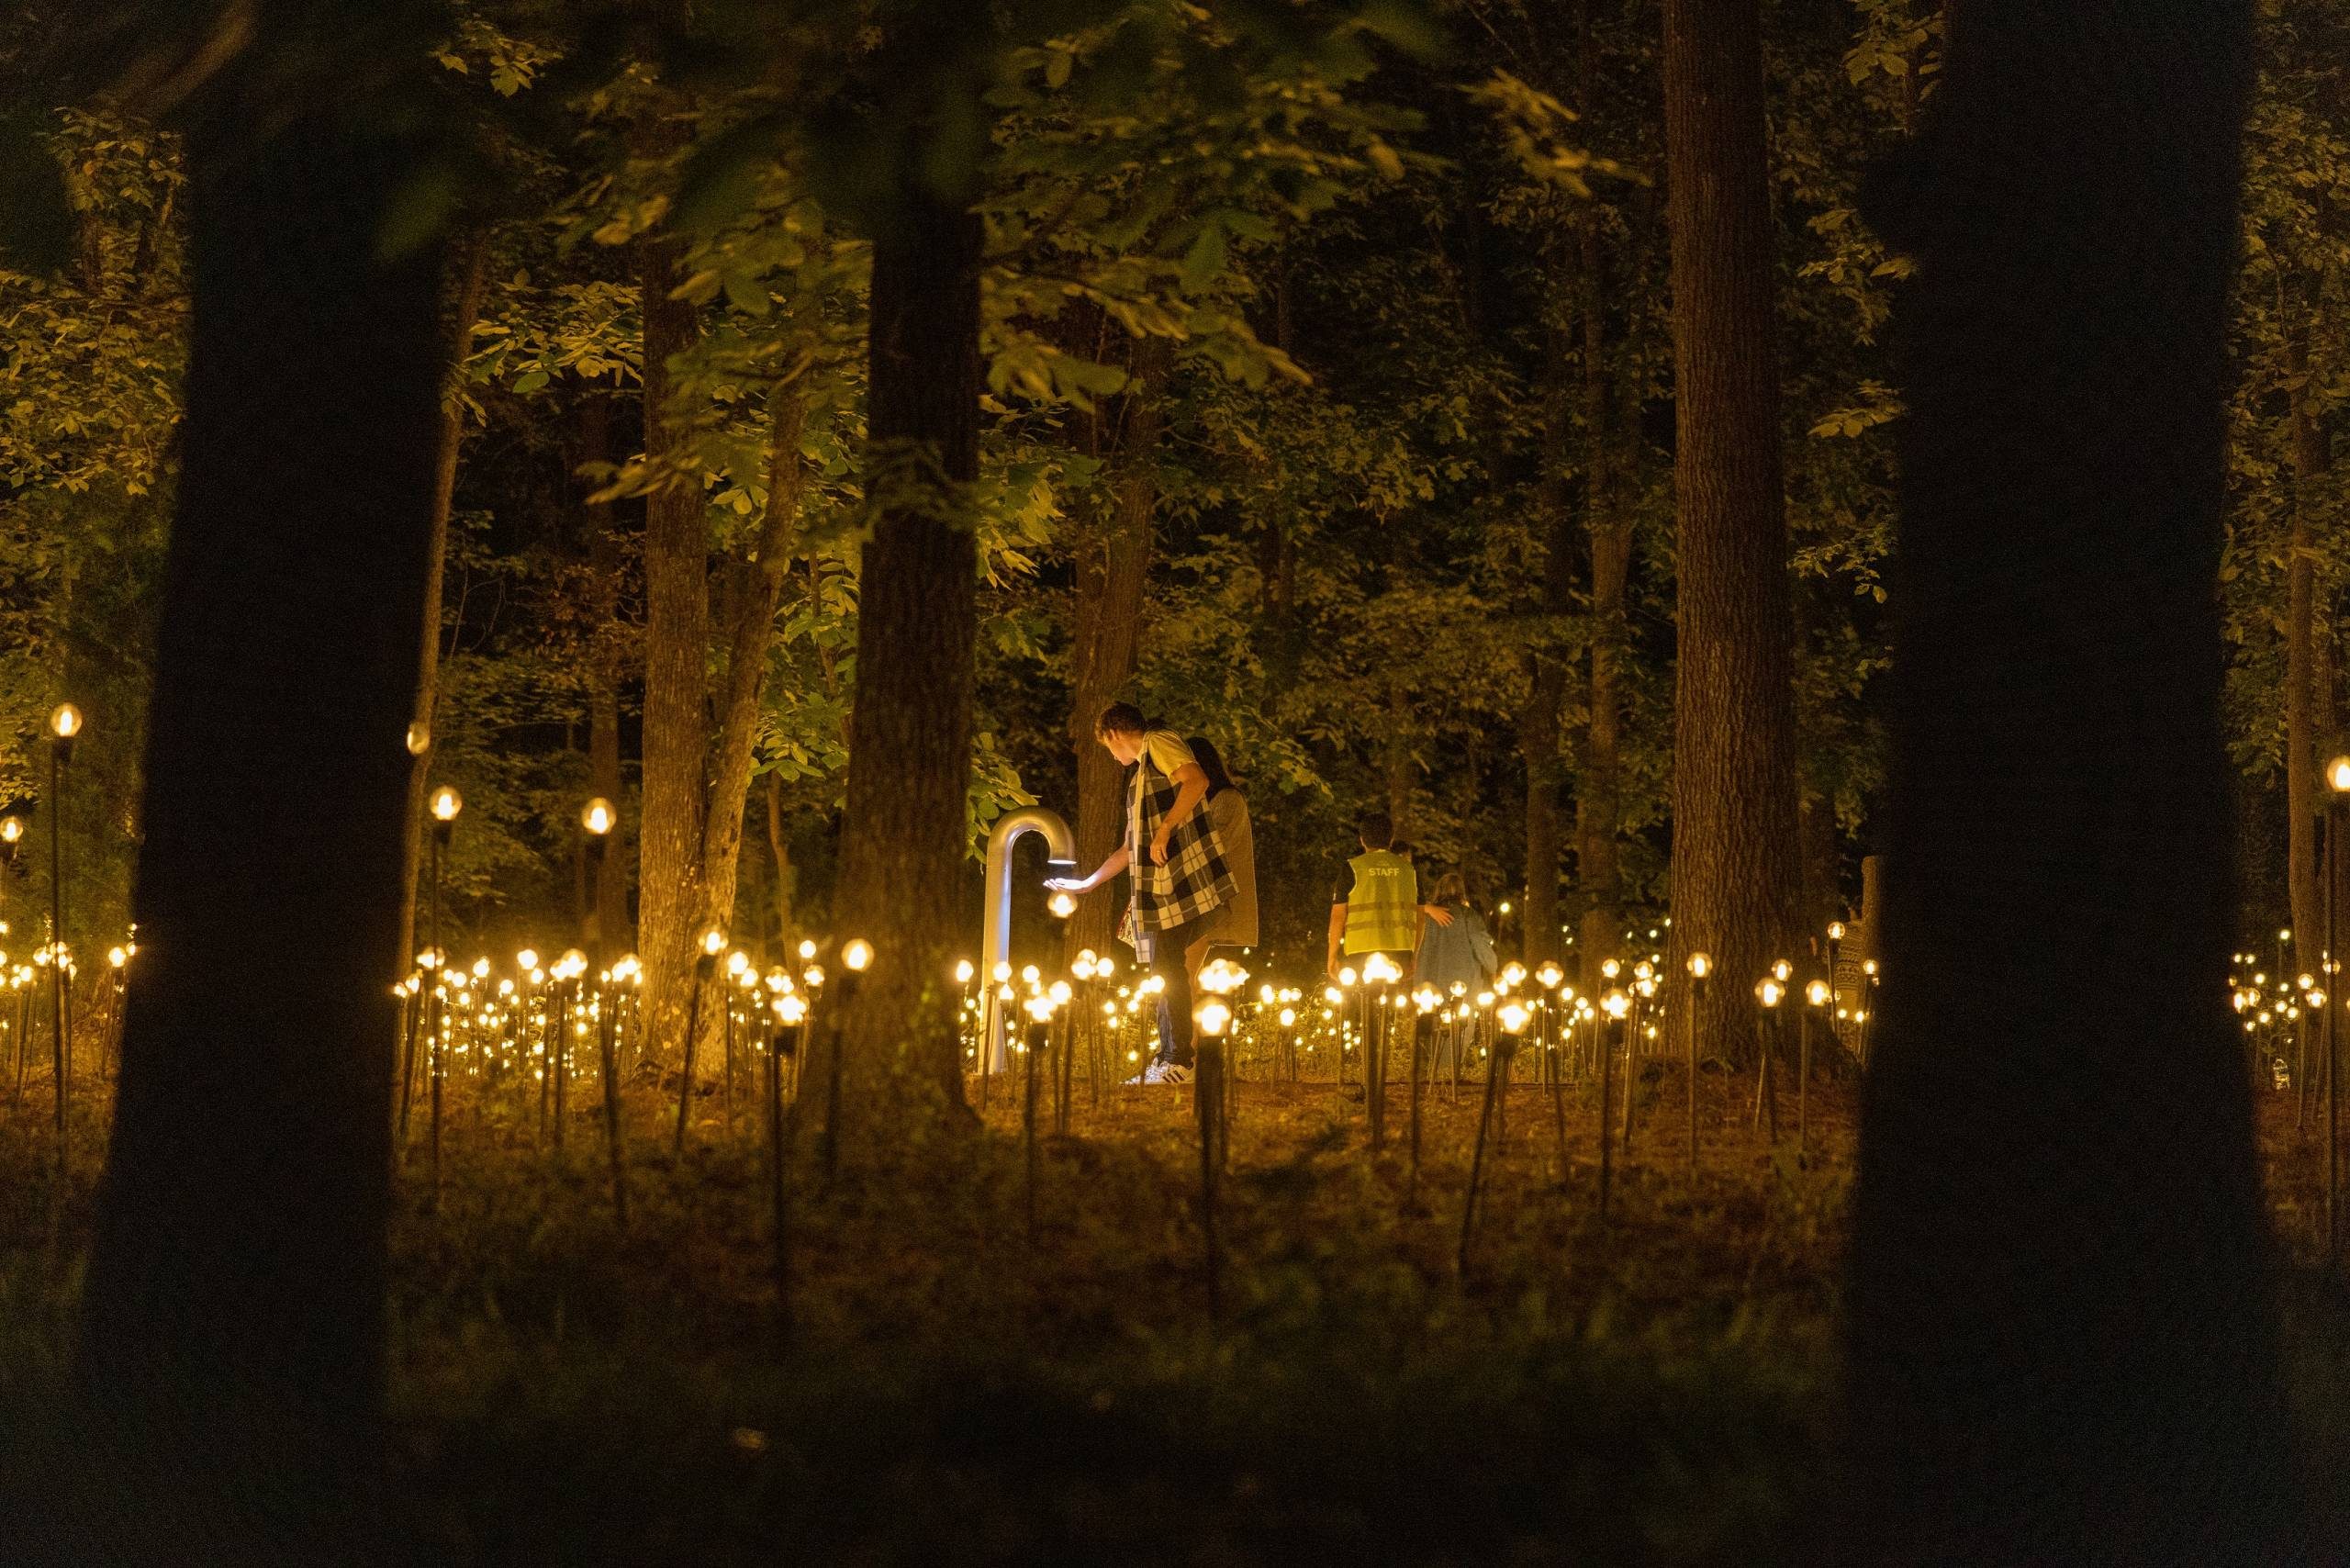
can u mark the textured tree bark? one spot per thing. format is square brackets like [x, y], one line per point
[676, 658]
[904, 834]
[2061, 1336]
[1734, 855]
[1112, 569]
[469, 278]
[234, 1312]
[2303, 722]
[749, 639]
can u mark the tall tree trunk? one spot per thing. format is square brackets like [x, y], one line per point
[677, 657]
[2303, 722]
[1547, 673]
[608, 922]
[1599, 792]
[904, 835]
[470, 275]
[2061, 1338]
[749, 639]
[1734, 861]
[235, 1303]
[1112, 569]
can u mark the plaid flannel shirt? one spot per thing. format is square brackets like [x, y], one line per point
[1196, 878]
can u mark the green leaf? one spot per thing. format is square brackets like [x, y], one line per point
[1205, 260]
[746, 294]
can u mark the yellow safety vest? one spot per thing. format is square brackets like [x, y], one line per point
[1383, 906]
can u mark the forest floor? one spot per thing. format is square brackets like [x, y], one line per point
[1658, 1387]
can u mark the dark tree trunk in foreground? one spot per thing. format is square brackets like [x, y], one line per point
[235, 1309]
[1734, 853]
[904, 831]
[2061, 1339]
[1113, 569]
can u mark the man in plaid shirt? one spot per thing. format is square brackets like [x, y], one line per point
[1179, 875]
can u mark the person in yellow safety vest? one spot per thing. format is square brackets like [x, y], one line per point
[1375, 901]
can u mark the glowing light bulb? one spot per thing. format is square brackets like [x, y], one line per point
[1063, 905]
[963, 971]
[65, 721]
[1768, 990]
[446, 804]
[1817, 993]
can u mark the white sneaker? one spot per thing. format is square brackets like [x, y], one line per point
[1166, 1072]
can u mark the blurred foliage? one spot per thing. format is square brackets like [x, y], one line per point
[1358, 227]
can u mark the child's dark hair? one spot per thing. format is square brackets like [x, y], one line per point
[1452, 888]
[1211, 763]
[1376, 829]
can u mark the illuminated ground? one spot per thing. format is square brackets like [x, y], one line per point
[1654, 1389]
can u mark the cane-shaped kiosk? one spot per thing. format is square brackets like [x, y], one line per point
[995, 942]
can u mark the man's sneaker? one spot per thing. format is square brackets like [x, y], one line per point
[1167, 1073]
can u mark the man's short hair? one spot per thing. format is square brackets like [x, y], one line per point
[1121, 719]
[1377, 829]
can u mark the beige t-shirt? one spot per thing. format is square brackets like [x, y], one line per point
[1168, 752]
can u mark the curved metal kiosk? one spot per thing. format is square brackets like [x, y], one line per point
[995, 940]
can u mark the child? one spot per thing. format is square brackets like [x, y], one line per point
[1458, 954]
